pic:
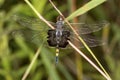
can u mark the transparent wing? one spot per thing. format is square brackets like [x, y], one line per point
[84, 28]
[31, 35]
[32, 23]
[90, 40]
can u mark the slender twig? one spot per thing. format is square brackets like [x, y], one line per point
[81, 39]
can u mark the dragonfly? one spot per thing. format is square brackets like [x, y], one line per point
[35, 30]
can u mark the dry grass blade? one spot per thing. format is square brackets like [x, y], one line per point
[39, 16]
[38, 51]
[82, 54]
[86, 46]
[33, 60]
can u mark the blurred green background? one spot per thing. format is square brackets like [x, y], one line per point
[16, 54]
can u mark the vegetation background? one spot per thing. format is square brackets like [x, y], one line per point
[16, 54]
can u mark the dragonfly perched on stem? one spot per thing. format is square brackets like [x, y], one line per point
[36, 31]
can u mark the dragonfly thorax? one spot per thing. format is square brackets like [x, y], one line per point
[59, 29]
[59, 24]
[58, 40]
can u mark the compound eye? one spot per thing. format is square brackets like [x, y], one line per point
[60, 18]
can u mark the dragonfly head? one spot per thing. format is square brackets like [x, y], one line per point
[60, 18]
[60, 21]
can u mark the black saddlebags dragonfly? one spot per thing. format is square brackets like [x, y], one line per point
[36, 31]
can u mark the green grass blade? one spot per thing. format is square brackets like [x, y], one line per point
[90, 5]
